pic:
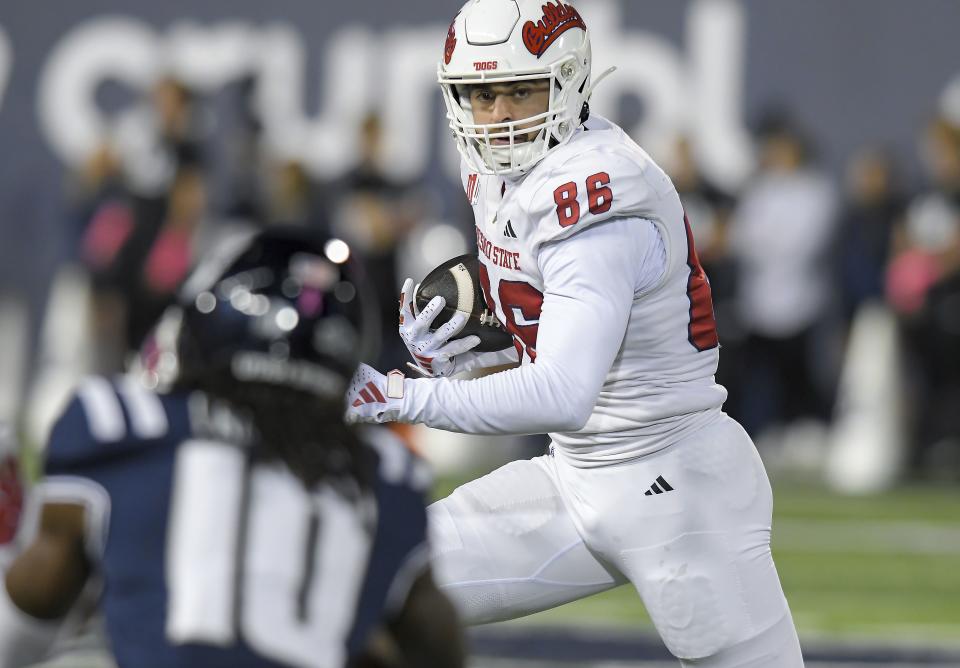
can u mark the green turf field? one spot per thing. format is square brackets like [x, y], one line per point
[879, 568]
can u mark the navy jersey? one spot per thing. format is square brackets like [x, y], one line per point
[211, 559]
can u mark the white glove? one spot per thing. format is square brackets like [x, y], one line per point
[373, 397]
[435, 354]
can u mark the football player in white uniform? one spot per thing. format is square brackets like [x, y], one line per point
[588, 261]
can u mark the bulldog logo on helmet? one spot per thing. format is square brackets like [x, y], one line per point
[557, 19]
[451, 42]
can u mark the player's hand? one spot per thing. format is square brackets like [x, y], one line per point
[435, 354]
[374, 397]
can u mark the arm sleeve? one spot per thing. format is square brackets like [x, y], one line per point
[474, 361]
[590, 281]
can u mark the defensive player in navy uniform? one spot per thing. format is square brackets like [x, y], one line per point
[235, 520]
[587, 259]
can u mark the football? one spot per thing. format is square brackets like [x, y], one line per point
[458, 281]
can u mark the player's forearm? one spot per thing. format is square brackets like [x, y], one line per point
[590, 281]
[556, 394]
[532, 399]
[491, 360]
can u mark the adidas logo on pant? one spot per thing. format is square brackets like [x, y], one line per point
[658, 487]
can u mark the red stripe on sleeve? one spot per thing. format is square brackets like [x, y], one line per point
[376, 392]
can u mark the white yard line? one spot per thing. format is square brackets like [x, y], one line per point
[893, 537]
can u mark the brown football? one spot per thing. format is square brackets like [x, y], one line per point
[458, 281]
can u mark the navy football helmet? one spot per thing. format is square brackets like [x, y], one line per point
[279, 309]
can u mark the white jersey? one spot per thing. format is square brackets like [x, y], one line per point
[589, 263]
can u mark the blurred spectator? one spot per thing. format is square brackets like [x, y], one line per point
[167, 128]
[238, 155]
[868, 427]
[708, 208]
[138, 205]
[139, 208]
[781, 235]
[104, 220]
[871, 214]
[99, 180]
[375, 214]
[923, 287]
[937, 420]
[164, 262]
[293, 197]
[176, 113]
[151, 249]
[926, 247]
[939, 150]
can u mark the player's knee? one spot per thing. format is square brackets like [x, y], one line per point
[706, 595]
[688, 614]
[700, 621]
[776, 646]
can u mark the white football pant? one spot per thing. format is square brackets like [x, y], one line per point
[536, 534]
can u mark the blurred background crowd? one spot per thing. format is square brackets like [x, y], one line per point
[836, 282]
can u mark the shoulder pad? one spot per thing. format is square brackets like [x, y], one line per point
[602, 182]
[105, 417]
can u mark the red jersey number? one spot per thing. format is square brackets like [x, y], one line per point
[599, 194]
[599, 198]
[522, 304]
[568, 209]
[702, 330]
